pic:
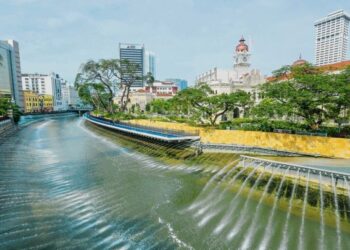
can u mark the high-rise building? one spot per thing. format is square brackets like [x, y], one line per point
[150, 63]
[134, 53]
[45, 84]
[10, 71]
[180, 83]
[332, 34]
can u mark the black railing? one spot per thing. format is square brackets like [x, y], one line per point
[149, 128]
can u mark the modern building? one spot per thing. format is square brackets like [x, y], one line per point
[239, 77]
[181, 83]
[34, 102]
[134, 53]
[45, 84]
[332, 35]
[10, 71]
[150, 63]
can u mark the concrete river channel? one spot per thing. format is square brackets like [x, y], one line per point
[68, 184]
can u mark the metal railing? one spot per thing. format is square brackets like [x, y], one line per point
[296, 167]
[147, 128]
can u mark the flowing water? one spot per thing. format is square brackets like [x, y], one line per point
[67, 184]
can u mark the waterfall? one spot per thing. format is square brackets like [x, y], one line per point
[253, 226]
[198, 203]
[301, 231]
[337, 221]
[210, 196]
[243, 217]
[321, 245]
[284, 242]
[268, 231]
[348, 188]
[226, 219]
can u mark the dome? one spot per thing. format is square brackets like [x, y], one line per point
[300, 61]
[242, 47]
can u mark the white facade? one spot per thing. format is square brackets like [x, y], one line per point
[45, 84]
[239, 77]
[332, 35]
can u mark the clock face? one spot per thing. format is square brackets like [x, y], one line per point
[244, 59]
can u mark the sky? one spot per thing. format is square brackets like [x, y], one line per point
[188, 37]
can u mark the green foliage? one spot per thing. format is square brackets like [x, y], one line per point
[202, 105]
[6, 105]
[304, 92]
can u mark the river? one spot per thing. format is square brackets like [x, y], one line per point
[65, 184]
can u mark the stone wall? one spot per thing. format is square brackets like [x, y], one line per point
[303, 144]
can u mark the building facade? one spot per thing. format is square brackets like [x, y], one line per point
[150, 63]
[241, 76]
[332, 35]
[10, 72]
[34, 102]
[180, 83]
[134, 53]
[45, 84]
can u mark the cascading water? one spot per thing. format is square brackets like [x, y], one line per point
[198, 203]
[243, 217]
[210, 196]
[268, 231]
[284, 242]
[302, 225]
[253, 226]
[322, 226]
[225, 220]
[337, 217]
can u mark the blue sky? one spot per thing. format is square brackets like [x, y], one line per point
[187, 36]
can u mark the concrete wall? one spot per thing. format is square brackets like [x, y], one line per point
[323, 146]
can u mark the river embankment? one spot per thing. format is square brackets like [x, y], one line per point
[299, 144]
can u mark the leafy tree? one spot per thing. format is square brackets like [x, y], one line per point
[305, 92]
[97, 80]
[202, 100]
[6, 105]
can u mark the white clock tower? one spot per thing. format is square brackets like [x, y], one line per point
[241, 58]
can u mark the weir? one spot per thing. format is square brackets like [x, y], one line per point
[296, 169]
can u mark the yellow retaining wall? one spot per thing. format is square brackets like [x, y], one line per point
[323, 146]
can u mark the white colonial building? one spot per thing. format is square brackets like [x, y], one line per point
[241, 76]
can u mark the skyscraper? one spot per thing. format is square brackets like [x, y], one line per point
[10, 71]
[332, 34]
[150, 63]
[134, 53]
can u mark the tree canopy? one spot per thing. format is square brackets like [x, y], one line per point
[307, 93]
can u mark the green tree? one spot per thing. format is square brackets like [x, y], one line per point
[305, 92]
[205, 105]
[97, 80]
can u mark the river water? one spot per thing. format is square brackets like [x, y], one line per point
[65, 184]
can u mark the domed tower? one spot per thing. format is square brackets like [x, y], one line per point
[299, 62]
[241, 57]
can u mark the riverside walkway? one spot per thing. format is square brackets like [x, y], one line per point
[165, 135]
